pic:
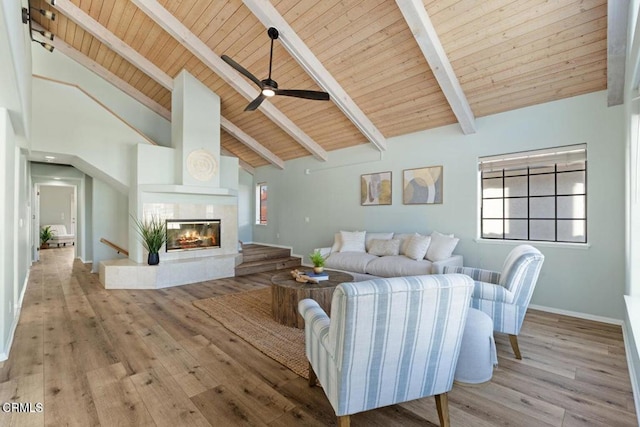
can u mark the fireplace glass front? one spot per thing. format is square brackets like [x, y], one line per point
[184, 235]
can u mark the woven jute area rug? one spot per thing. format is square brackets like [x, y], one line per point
[248, 315]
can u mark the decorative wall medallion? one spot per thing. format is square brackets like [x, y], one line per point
[202, 165]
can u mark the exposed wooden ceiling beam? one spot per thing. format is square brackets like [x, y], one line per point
[425, 34]
[270, 17]
[105, 36]
[246, 139]
[199, 49]
[109, 39]
[244, 165]
[617, 22]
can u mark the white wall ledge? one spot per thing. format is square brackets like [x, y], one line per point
[127, 274]
[633, 314]
[188, 189]
[633, 311]
[544, 244]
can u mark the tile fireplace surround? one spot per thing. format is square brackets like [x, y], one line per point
[180, 267]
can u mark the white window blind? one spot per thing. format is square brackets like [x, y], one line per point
[561, 156]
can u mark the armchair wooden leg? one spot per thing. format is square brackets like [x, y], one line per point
[344, 421]
[514, 345]
[442, 404]
[312, 376]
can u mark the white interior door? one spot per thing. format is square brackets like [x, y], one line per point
[35, 226]
[73, 212]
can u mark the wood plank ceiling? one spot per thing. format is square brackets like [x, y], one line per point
[506, 54]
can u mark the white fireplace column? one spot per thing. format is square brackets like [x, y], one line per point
[189, 181]
[195, 132]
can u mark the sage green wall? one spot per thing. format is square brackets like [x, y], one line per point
[587, 280]
[56, 65]
[245, 206]
[55, 205]
[7, 223]
[15, 114]
[14, 229]
[22, 243]
[110, 220]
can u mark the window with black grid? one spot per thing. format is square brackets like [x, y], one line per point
[536, 195]
[261, 203]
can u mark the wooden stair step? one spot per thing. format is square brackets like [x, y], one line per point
[252, 253]
[267, 265]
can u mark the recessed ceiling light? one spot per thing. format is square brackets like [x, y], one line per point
[49, 157]
[55, 177]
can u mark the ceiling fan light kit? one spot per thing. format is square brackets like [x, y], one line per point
[269, 87]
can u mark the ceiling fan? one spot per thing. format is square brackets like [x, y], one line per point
[269, 87]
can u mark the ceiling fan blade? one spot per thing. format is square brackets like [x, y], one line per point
[242, 70]
[255, 103]
[306, 94]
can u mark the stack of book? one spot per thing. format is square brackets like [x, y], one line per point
[317, 276]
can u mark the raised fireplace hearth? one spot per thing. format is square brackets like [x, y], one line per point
[186, 235]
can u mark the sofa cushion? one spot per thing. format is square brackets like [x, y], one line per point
[386, 247]
[404, 241]
[375, 236]
[441, 246]
[352, 241]
[417, 247]
[398, 265]
[349, 261]
[337, 243]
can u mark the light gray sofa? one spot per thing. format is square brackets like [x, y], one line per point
[366, 263]
[60, 235]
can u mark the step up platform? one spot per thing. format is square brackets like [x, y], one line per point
[260, 258]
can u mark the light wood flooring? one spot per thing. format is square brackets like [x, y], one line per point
[145, 358]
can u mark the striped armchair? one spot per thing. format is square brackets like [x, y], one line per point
[505, 296]
[388, 341]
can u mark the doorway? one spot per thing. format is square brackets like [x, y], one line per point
[55, 205]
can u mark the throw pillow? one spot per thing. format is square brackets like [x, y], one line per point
[417, 247]
[352, 241]
[441, 246]
[404, 241]
[384, 247]
[337, 243]
[371, 236]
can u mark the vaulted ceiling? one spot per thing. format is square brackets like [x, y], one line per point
[391, 67]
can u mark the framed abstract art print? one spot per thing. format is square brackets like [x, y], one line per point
[422, 186]
[375, 189]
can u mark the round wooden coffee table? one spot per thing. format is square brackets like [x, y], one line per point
[286, 293]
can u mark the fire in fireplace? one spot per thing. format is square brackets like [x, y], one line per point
[184, 235]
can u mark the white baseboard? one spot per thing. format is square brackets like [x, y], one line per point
[578, 314]
[632, 372]
[16, 318]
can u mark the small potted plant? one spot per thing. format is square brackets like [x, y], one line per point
[153, 232]
[318, 261]
[46, 234]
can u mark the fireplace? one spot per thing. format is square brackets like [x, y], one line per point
[186, 235]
